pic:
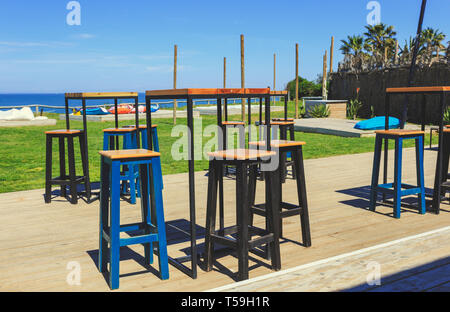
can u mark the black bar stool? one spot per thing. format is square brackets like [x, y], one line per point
[65, 179]
[243, 242]
[280, 130]
[286, 209]
[445, 184]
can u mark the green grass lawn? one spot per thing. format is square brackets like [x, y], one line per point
[22, 150]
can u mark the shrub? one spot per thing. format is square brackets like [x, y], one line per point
[319, 111]
[447, 116]
[353, 108]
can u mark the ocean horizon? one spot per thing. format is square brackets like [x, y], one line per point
[57, 100]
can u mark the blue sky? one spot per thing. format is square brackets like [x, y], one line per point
[128, 45]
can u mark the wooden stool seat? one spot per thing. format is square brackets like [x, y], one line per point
[63, 132]
[447, 130]
[240, 154]
[400, 132]
[278, 143]
[233, 123]
[119, 130]
[129, 154]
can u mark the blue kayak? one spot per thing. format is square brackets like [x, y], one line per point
[378, 123]
[97, 111]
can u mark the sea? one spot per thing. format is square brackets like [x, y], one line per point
[57, 101]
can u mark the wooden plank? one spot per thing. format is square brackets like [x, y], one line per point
[37, 241]
[418, 89]
[101, 95]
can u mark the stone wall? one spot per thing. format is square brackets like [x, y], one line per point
[343, 86]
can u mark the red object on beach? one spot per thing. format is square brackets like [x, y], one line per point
[122, 109]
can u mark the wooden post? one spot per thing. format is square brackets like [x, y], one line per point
[296, 81]
[324, 78]
[242, 76]
[224, 72]
[331, 54]
[274, 71]
[396, 52]
[175, 61]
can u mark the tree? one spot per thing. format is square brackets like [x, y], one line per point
[354, 45]
[432, 40]
[380, 39]
[306, 88]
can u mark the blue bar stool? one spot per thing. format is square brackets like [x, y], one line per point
[398, 189]
[144, 143]
[130, 174]
[150, 230]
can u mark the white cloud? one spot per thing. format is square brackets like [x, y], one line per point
[84, 36]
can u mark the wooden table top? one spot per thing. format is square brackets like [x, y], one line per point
[84, 95]
[418, 89]
[210, 91]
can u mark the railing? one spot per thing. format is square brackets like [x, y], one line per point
[54, 107]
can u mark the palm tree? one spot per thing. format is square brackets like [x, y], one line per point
[380, 37]
[354, 45]
[432, 40]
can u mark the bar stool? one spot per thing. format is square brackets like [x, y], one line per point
[280, 131]
[240, 125]
[445, 175]
[150, 230]
[63, 179]
[144, 143]
[130, 174]
[286, 209]
[398, 189]
[242, 159]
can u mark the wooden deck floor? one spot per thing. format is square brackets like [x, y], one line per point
[39, 242]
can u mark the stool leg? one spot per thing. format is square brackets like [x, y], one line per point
[145, 209]
[156, 188]
[62, 164]
[420, 174]
[375, 173]
[72, 172]
[252, 179]
[85, 163]
[48, 169]
[115, 226]
[156, 149]
[211, 207]
[398, 177]
[128, 141]
[106, 142]
[292, 137]
[241, 136]
[302, 196]
[273, 217]
[242, 220]
[104, 215]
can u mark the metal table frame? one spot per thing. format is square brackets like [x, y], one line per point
[189, 95]
[424, 91]
[99, 96]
